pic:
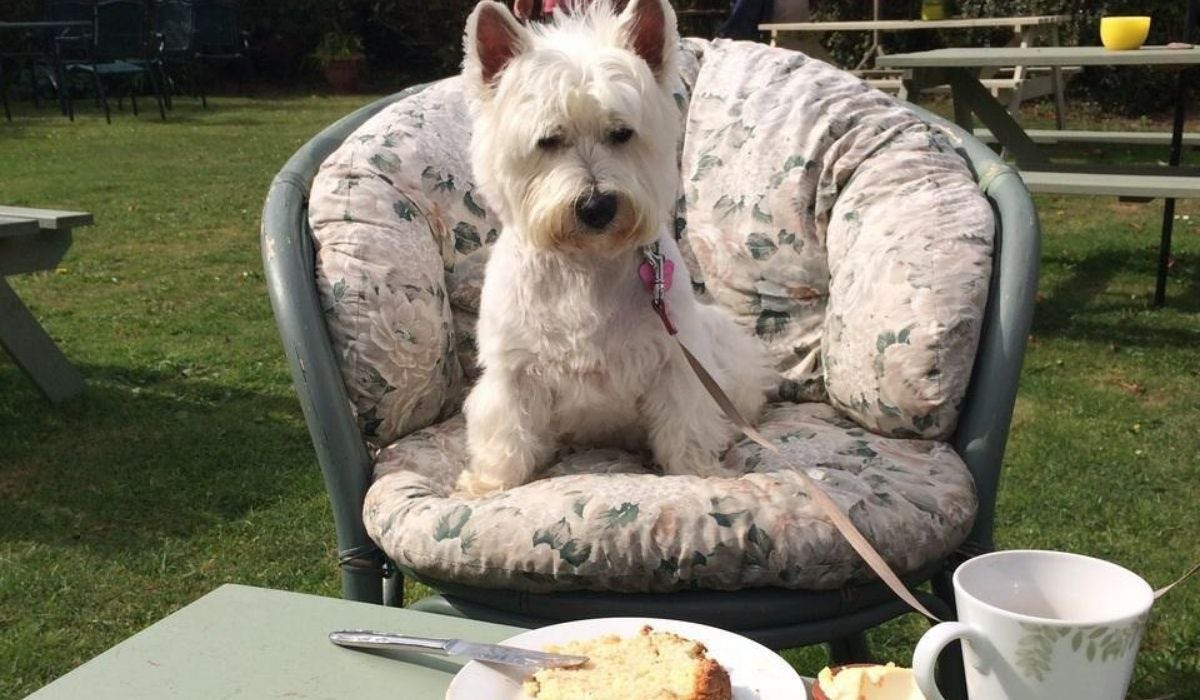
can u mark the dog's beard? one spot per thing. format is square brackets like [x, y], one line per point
[550, 222]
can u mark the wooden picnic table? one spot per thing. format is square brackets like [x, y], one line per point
[900, 25]
[1028, 31]
[960, 69]
[32, 240]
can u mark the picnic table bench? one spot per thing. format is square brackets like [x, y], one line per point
[1055, 137]
[960, 68]
[32, 240]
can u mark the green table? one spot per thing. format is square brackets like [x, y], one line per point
[32, 240]
[960, 69]
[246, 642]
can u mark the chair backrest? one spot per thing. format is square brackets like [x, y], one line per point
[121, 30]
[70, 10]
[175, 24]
[217, 29]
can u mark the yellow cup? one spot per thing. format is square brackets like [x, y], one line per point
[1123, 33]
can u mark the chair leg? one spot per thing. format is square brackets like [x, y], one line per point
[854, 649]
[393, 590]
[159, 97]
[101, 96]
[200, 86]
[4, 92]
[33, 85]
[943, 587]
[166, 87]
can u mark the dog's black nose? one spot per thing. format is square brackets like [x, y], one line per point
[595, 210]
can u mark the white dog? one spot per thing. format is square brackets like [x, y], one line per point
[574, 147]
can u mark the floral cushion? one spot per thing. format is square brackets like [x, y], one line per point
[843, 229]
[391, 216]
[600, 520]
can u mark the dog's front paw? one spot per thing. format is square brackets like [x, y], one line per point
[474, 485]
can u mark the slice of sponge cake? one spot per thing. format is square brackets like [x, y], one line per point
[649, 666]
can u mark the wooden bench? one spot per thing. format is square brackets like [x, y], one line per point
[16, 226]
[32, 240]
[1142, 187]
[1075, 136]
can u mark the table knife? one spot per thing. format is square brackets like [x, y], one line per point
[492, 653]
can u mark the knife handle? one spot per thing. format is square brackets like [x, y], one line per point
[365, 639]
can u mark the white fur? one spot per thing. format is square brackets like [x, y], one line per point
[571, 351]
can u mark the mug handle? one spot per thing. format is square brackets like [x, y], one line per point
[930, 647]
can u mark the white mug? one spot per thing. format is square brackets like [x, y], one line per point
[1041, 626]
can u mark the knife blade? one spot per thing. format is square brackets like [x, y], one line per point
[491, 653]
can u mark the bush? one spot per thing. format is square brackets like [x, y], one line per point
[15, 10]
[421, 40]
[1129, 91]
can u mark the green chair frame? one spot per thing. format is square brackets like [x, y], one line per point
[776, 617]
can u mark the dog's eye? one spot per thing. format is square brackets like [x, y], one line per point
[550, 143]
[620, 135]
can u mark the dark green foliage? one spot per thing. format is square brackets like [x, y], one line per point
[417, 41]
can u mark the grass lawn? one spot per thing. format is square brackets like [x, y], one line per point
[187, 464]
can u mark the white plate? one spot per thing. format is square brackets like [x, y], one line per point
[756, 672]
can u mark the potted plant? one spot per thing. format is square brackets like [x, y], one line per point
[933, 10]
[340, 55]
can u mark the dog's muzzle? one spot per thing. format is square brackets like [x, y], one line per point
[596, 209]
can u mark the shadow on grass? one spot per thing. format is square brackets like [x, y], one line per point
[140, 457]
[1085, 304]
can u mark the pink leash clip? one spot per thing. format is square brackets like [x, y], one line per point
[657, 273]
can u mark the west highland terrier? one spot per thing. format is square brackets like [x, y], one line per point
[574, 148]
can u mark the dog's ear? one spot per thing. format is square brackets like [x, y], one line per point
[492, 39]
[649, 28]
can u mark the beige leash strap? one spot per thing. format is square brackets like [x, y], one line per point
[840, 520]
[1163, 591]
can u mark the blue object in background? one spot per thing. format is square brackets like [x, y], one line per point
[744, 18]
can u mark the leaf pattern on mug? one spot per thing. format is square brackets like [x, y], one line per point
[1035, 649]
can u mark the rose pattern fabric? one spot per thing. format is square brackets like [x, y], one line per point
[603, 520]
[859, 249]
